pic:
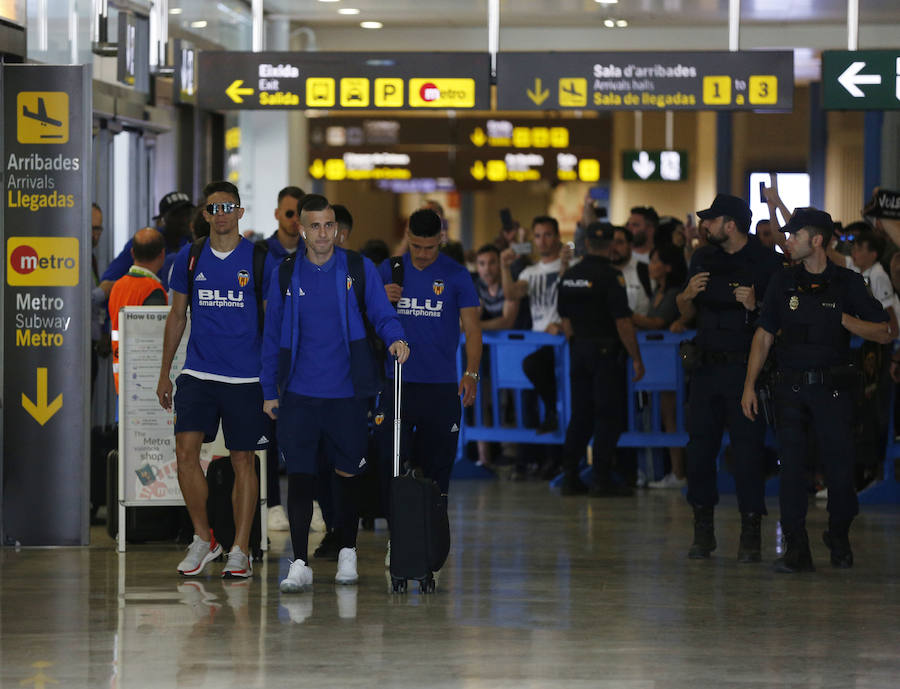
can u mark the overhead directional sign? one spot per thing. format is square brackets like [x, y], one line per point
[655, 166]
[348, 81]
[747, 80]
[861, 79]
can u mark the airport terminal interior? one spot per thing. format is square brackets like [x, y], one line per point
[117, 113]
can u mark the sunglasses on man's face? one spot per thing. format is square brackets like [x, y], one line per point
[228, 207]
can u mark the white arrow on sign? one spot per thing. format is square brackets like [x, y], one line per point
[851, 78]
[643, 167]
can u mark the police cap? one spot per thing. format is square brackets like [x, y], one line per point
[600, 231]
[810, 217]
[732, 206]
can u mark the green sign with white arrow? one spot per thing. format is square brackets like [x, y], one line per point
[861, 79]
[655, 166]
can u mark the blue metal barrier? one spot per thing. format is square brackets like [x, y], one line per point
[887, 490]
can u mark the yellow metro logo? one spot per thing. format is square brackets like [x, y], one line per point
[42, 117]
[442, 93]
[42, 261]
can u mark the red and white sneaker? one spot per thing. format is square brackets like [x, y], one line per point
[238, 565]
[199, 553]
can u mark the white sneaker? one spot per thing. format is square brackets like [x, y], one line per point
[238, 565]
[299, 578]
[668, 481]
[318, 522]
[822, 494]
[387, 558]
[346, 601]
[277, 519]
[346, 571]
[199, 554]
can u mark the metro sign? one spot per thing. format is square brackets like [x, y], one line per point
[861, 79]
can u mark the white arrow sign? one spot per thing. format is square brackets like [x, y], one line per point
[851, 78]
[643, 167]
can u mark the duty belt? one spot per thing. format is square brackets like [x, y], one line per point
[835, 376]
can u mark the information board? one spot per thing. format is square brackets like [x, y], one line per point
[861, 79]
[233, 80]
[714, 80]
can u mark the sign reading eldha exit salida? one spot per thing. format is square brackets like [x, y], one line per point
[344, 81]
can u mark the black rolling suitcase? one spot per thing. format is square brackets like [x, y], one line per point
[219, 510]
[420, 529]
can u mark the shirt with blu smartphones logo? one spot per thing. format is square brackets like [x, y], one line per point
[224, 343]
[429, 313]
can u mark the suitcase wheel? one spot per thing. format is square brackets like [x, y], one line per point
[398, 585]
[427, 585]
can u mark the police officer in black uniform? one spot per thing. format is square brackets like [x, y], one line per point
[594, 307]
[817, 306]
[726, 282]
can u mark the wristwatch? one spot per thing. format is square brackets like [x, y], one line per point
[472, 375]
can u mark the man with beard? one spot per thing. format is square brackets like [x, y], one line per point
[642, 224]
[726, 283]
[638, 286]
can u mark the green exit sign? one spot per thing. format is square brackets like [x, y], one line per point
[655, 166]
[861, 79]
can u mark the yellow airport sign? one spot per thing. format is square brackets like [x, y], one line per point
[236, 91]
[42, 117]
[573, 92]
[42, 261]
[320, 92]
[389, 93]
[717, 90]
[442, 93]
[42, 410]
[355, 92]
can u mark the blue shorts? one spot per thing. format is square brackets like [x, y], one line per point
[338, 426]
[201, 404]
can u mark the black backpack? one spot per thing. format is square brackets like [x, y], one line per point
[260, 251]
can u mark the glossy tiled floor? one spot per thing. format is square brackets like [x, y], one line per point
[538, 592]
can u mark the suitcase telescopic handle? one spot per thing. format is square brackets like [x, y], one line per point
[398, 384]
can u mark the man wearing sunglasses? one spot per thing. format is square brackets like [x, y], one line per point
[318, 373]
[220, 377]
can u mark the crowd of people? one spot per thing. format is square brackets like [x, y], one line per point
[292, 338]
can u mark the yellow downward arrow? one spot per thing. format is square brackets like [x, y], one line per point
[42, 411]
[538, 95]
[234, 92]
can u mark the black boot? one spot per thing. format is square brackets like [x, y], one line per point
[572, 485]
[750, 549]
[797, 556]
[838, 541]
[704, 534]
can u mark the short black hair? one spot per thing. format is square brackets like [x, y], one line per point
[376, 250]
[295, 192]
[649, 214]
[425, 223]
[223, 186]
[767, 221]
[148, 250]
[488, 249]
[342, 217]
[870, 240]
[546, 220]
[672, 256]
[314, 202]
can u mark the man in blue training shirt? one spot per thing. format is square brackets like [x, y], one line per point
[220, 378]
[437, 293]
[318, 371]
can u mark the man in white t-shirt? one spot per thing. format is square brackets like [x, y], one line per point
[864, 257]
[638, 285]
[540, 283]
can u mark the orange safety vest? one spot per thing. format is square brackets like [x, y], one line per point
[130, 290]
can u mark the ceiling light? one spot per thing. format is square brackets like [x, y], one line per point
[348, 10]
[176, 10]
[607, 2]
[621, 23]
[609, 23]
[329, 0]
[371, 25]
[199, 25]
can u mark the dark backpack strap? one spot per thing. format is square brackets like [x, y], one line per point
[284, 273]
[260, 252]
[397, 270]
[357, 272]
[193, 258]
[643, 271]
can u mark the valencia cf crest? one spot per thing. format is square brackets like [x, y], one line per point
[379, 419]
[620, 279]
[243, 278]
[438, 287]
[349, 283]
[794, 302]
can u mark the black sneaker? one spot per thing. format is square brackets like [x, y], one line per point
[328, 549]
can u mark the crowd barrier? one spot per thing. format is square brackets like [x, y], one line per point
[501, 375]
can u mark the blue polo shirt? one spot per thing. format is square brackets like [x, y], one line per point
[323, 364]
[429, 313]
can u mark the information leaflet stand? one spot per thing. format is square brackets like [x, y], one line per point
[148, 470]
